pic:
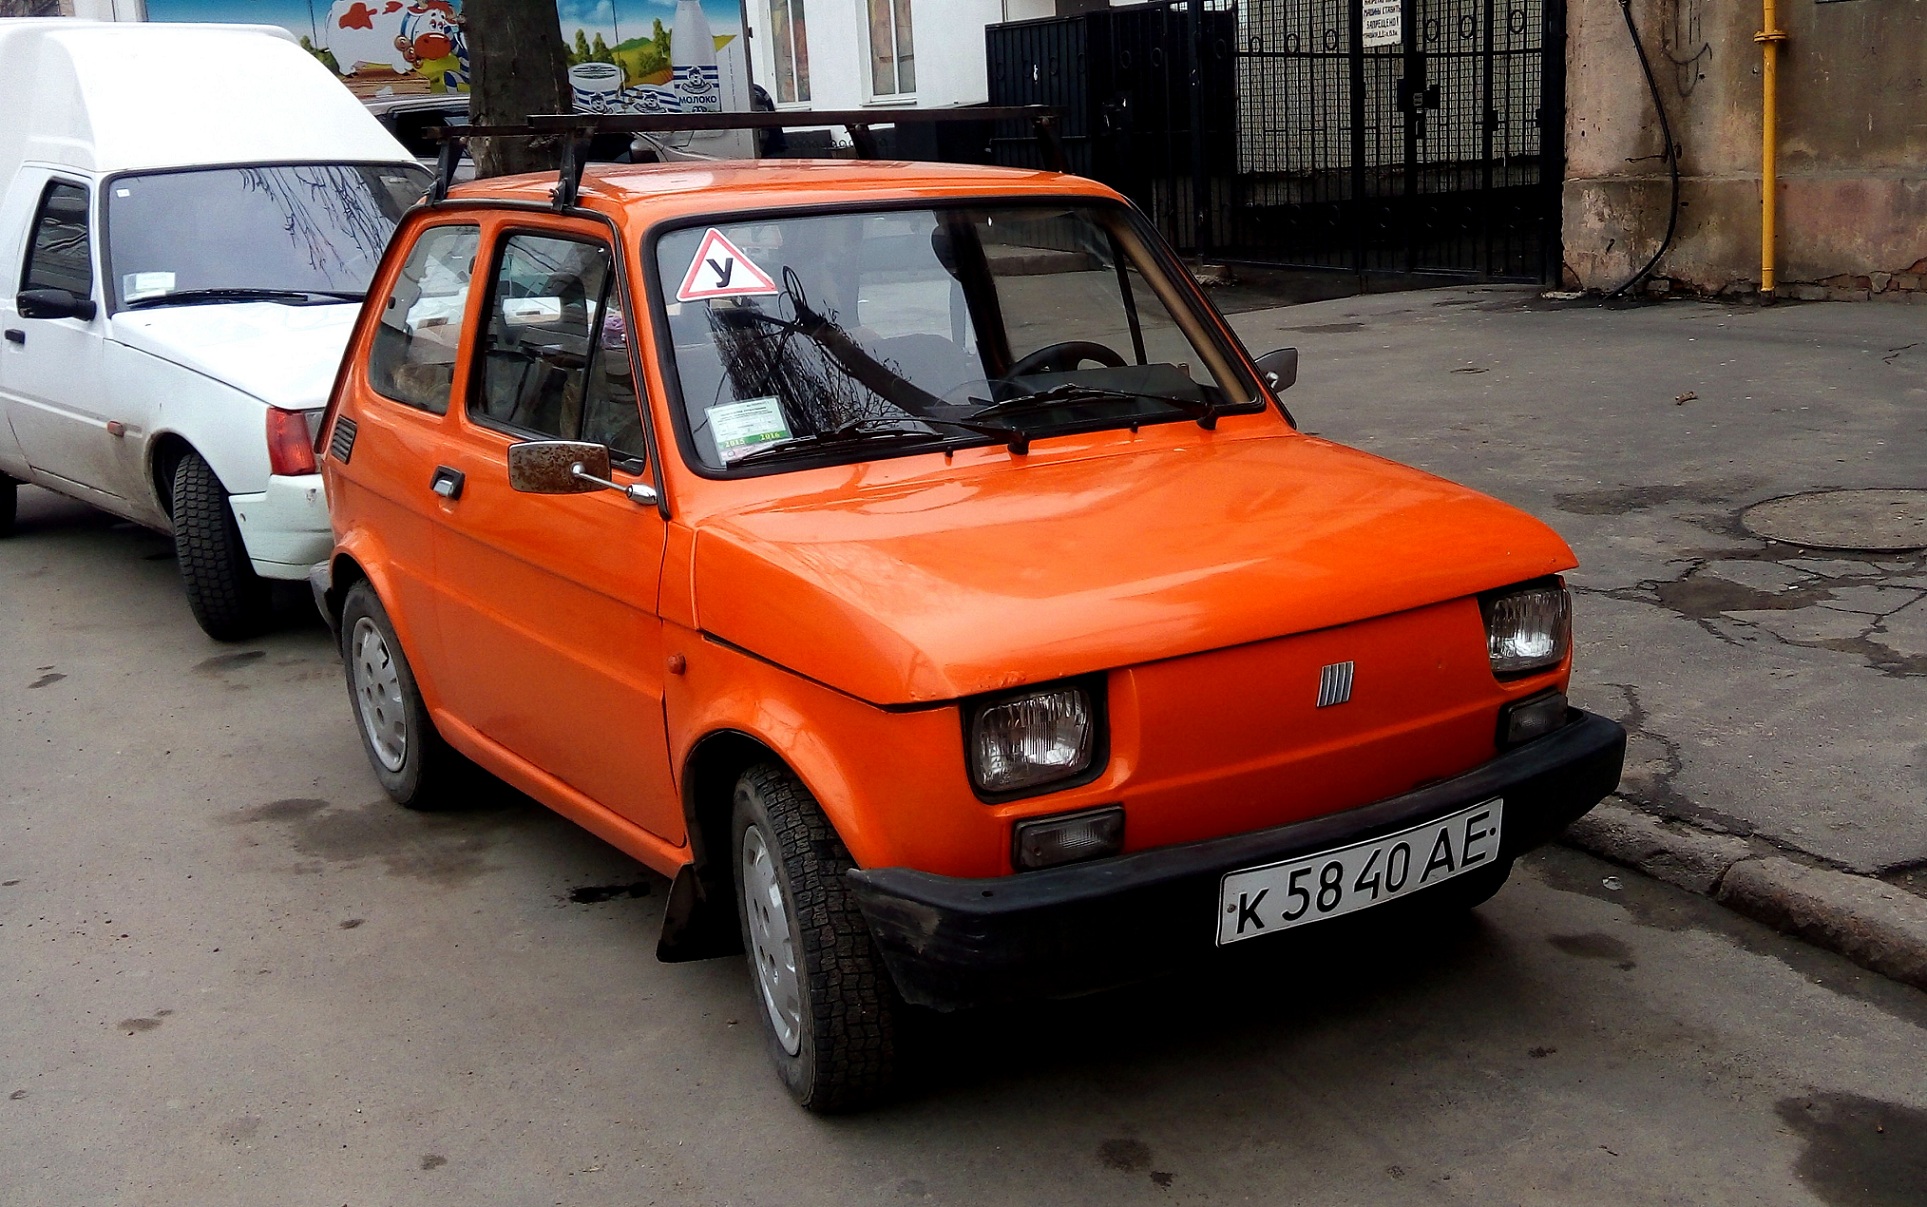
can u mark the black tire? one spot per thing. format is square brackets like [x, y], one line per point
[229, 600]
[847, 1035]
[421, 776]
[9, 504]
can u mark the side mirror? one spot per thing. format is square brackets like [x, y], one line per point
[53, 304]
[1279, 369]
[567, 467]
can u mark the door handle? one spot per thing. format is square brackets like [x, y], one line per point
[447, 482]
[16, 336]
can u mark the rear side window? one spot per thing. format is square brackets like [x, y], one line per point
[413, 361]
[60, 256]
[555, 360]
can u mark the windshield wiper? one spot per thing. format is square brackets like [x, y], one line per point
[1205, 412]
[196, 297]
[889, 429]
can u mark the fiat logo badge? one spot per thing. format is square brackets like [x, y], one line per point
[1334, 684]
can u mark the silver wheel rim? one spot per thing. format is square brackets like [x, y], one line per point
[769, 940]
[384, 719]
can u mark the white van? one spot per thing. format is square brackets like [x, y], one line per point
[190, 218]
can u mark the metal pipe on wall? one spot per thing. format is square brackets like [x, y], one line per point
[1769, 38]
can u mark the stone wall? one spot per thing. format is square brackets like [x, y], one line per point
[1853, 146]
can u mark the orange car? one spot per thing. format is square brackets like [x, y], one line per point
[909, 561]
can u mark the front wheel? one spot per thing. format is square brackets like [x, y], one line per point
[229, 600]
[9, 503]
[830, 1011]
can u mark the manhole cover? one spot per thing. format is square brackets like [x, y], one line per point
[1869, 521]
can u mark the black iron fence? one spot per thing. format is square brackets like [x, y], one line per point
[1267, 131]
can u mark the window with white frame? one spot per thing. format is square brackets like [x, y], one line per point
[893, 63]
[789, 34]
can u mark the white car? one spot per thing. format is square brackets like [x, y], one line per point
[190, 218]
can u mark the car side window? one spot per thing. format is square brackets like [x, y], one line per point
[60, 255]
[413, 359]
[555, 360]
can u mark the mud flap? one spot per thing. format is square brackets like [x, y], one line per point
[697, 923]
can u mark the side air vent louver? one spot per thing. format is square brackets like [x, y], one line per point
[341, 445]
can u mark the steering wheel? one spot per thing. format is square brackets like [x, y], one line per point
[1063, 357]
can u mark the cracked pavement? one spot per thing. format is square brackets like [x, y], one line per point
[1769, 691]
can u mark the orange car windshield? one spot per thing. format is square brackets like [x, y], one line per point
[852, 335]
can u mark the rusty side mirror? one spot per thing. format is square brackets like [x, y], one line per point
[550, 467]
[567, 467]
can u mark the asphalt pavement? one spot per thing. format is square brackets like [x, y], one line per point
[231, 972]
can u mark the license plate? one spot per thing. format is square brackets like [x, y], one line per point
[1279, 896]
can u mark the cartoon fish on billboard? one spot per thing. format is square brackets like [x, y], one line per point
[422, 38]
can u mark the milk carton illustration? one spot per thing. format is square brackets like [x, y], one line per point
[597, 87]
[692, 55]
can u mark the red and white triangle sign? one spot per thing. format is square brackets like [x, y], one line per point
[721, 270]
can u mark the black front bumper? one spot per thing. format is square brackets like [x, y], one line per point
[952, 943]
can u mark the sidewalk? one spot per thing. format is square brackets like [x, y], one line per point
[1773, 694]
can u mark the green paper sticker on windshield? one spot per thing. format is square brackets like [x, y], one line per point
[738, 427]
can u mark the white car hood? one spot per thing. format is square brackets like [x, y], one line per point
[284, 355]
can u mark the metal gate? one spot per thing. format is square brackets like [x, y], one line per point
[1266, 131]
[1437, 154]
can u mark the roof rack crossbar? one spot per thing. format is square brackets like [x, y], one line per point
[574, 129]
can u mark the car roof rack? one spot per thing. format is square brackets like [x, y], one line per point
[575, 129]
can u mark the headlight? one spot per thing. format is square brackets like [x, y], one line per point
[1528, 628]
[1037, 738]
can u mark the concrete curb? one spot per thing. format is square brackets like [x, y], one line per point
[1874, 924]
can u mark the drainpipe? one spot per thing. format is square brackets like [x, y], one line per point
[1769, 38]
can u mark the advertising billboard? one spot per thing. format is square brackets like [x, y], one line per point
[625, 56]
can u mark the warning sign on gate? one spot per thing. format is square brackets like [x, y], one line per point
[721, 270]
[1381, 22]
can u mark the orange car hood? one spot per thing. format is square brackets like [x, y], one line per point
[996, 576]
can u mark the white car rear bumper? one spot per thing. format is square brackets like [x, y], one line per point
[285, 527]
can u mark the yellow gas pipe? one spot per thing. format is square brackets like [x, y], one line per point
[1769, 38]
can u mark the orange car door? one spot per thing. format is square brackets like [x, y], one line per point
[388, 448]
[548, 602]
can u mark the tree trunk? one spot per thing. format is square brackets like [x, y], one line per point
[517, 67]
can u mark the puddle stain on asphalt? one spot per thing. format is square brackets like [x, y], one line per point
[1861, 1152]
[1327, 328]
[433, 1160]
[1127, 1156]
[1131, 1156]
[1595, 946]
[133, 1025]
[448, 850]
[48, 678]
[1623, 500]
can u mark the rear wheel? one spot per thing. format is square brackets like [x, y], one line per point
[229, 600]
[413, 763]
[9, 503]
[830, 1011]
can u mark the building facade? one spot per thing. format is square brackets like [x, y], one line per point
[846, 54]
[1851, 142]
